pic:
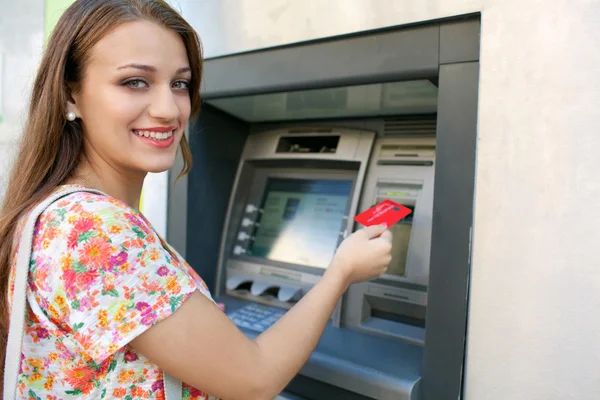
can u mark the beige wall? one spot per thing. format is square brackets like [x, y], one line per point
[534, 331]
[21, 43]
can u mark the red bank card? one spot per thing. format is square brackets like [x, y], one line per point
[387, 212]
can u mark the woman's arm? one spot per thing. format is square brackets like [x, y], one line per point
[201, 346]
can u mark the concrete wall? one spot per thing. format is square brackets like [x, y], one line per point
[21, 44]
[533, 327]
[533, 330]
[24, 28]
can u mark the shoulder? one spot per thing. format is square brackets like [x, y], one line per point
[91, 211]
[89, 219]
[87, 242]
[87, 204]
[101, 274]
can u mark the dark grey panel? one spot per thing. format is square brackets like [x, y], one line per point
[217, 141]
[317, 390]
[450, 242]
[459, 41]
[387, 56]
[177, 218]
[289, 396]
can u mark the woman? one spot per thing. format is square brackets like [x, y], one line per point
[110, 304]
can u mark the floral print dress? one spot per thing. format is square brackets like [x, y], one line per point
[99, 277]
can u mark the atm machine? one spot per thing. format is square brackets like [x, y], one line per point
[284, 160]
[294, 200]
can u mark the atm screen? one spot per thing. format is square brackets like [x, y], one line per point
[301, 221]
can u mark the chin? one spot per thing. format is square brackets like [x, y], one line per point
[156, 169]
[157, 166]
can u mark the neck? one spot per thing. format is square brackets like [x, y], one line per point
[124, 186]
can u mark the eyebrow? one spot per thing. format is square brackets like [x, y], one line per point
[150, 68]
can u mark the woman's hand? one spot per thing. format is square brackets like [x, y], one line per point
[365, 254]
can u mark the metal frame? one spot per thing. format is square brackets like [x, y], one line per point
[448, 51]
[450, 264]
[412, 53]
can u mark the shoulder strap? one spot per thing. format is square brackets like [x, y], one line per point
[17, 315]
[173, 387]
[12, 364]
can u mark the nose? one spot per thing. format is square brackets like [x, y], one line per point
[164, 105]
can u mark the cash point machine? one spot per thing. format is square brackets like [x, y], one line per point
[293, 143]
[297, 192]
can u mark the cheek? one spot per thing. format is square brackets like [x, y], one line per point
[108, 118]
[111, 110]
[184, 105]
[123, 108]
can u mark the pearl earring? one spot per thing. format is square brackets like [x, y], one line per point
[71, 116]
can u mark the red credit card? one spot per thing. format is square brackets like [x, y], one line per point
[387, 212]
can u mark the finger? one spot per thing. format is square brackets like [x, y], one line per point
[387, 235]
[375, 231]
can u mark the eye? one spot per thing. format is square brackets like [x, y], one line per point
[183, 85]
[136, 84]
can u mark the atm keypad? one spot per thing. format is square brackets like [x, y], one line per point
[256, 317]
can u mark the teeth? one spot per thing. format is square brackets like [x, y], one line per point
[154, 135]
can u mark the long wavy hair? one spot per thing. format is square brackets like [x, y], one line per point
[51, 148]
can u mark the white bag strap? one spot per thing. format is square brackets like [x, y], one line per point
[173, 387]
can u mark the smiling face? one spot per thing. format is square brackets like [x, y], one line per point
[133, 100]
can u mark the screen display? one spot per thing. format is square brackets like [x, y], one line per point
[401, 239]
[401, 232]
[301, 221]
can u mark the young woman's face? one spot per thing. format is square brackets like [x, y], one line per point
[134, 99]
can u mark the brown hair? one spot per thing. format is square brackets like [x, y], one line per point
[51, 148]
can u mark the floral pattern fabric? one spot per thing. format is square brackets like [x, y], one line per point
[99, 277]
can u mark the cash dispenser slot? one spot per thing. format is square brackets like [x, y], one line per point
[394, 311]
[393, 314]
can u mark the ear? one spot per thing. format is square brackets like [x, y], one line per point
[72, 102]
[71, 107]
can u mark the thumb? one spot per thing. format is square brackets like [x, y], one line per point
[375, 230]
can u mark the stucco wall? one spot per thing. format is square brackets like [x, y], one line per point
[21, 44]
[534, 331]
